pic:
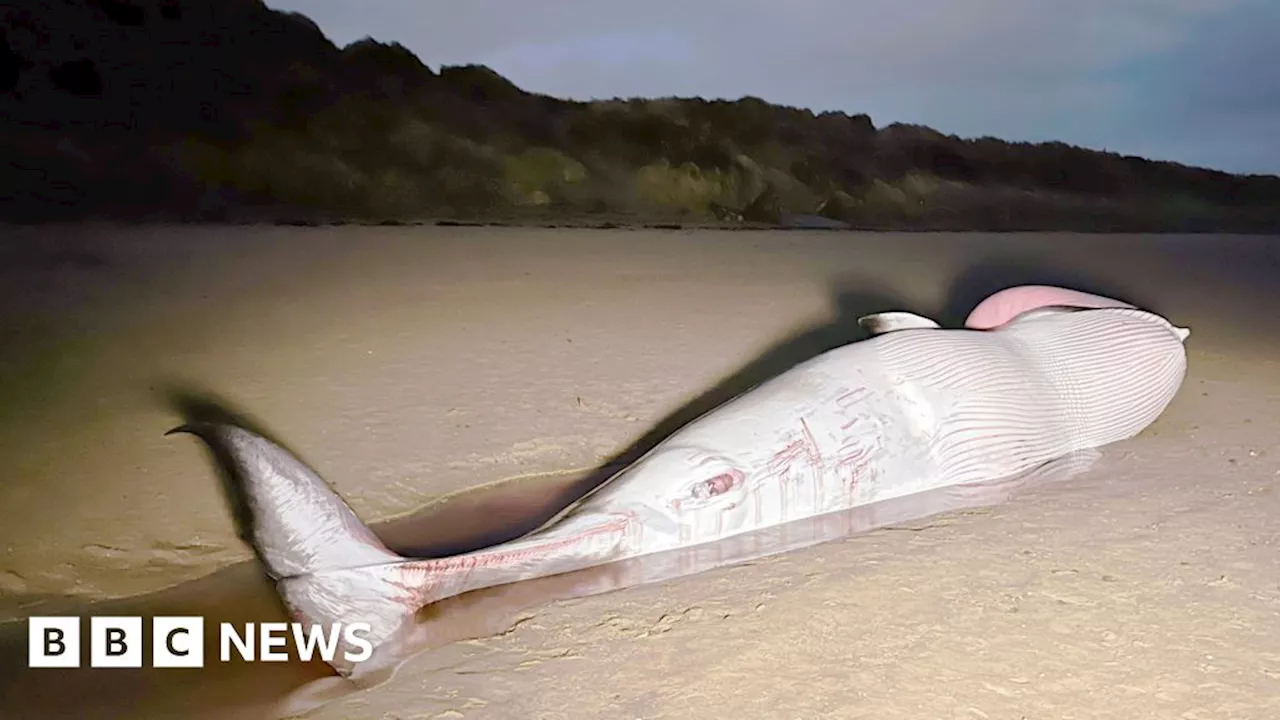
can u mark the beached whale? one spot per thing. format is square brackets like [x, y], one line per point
[912, 408]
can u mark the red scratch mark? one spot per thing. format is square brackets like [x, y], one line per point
[468, 563]
[852, 457]
[811, 448]
[804, 447]
[816, 462]
[851, 397]
[851, 464]
[780, 464]
[792, 452]
[848, 400]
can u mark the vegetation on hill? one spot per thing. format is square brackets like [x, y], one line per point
[228, 110]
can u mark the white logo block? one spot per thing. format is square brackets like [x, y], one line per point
[177, 642]
[115, 642]
[53, 642]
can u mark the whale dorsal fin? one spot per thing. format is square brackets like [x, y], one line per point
[887, 322]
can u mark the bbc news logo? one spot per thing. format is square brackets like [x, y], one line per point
[178, 642]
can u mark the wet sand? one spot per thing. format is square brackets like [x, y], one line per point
[240, 594]
[410, 364]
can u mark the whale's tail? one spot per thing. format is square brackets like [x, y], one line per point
[330, 569]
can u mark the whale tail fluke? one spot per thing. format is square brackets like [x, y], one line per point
[330, 569]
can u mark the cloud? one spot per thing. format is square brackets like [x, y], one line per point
[1019, 69]
[1215, 98]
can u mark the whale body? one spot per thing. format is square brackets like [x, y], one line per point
[913, 408]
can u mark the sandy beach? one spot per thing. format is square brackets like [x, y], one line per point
[458, 382]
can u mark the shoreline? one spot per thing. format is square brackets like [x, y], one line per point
[802, 224]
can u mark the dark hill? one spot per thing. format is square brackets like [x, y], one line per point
[225, 109]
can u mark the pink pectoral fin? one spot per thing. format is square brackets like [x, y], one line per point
[1007, 304]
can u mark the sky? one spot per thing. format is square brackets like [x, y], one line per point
[1192, 81]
